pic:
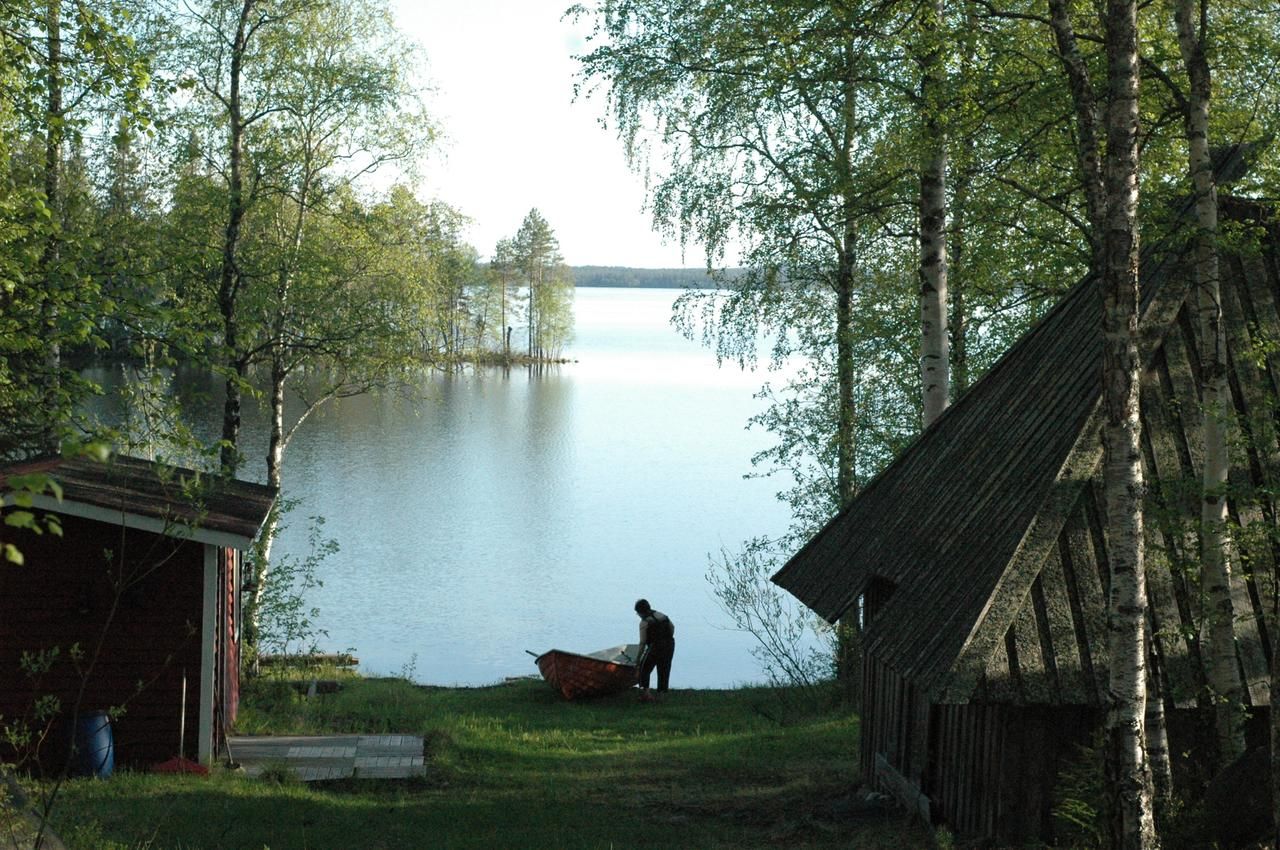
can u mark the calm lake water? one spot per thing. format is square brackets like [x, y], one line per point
[503, 512]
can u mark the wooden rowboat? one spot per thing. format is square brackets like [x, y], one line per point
[577, 676]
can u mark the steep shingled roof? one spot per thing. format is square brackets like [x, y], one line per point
[964, 520]
[173, 500]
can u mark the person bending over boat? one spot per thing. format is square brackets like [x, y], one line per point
[657, 646]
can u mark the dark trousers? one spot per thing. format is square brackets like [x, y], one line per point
[659, 656]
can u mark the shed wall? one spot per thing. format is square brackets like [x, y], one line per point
[986, 769]
[887, 730]
[993, 767]
[138, 596]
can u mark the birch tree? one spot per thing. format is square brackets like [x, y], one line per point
[307, 96]
[232, 83]
[1110, 183]
[1132, 824]
[296, 101]
[935, 382]
[64, 66]
[774, 123]
[1223, 670]
[340, 110]
[1087, 121]
[768, 120]
[451, 274]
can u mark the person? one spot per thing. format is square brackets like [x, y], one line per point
[657, 646]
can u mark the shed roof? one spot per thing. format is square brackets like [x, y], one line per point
[963, 521]
[139, 493]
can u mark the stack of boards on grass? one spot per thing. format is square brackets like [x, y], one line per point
[597, 674]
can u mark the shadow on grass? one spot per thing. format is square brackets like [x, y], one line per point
[517, 766]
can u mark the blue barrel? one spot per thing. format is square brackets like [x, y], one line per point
[95, 753]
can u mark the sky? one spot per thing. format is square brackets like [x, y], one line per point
[501, 74]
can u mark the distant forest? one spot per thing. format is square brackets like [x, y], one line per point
[620, 276]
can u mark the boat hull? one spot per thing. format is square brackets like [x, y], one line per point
[578, 676]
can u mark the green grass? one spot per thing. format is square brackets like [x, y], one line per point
[516, 766]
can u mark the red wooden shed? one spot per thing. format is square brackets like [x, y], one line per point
[145, 582]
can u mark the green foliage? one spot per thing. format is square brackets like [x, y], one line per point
[1078, 807]
[791, 646]
[535, 254]
[124, 259]
[807, 158]
[19, 499]
[24, 736]
[795, 131]
[286, 620]
[780, 128]
[746, 137]
[50, 295]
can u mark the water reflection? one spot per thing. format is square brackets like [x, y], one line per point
[495, 512]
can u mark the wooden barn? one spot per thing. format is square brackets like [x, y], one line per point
[145, 579]
[978, 565]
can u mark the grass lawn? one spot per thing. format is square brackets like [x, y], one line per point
[516, 766]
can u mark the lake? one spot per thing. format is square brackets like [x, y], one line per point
[498, 512]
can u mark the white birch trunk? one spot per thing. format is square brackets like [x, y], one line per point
[275, 458]
[1157, 730]
[1128, 773]
[280, 370]
[1219, 651]
[935, 383]
[934, 354]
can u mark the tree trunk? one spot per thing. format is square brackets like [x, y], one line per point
[1275, 716]
[229, 283]
[280, 437]
[934, 358]
[276, 442]
[531, 314]
[846, 481]
[53, 136]
[846, 263]
[275, 459]
[280, 371]
[54, 126]
[1132, 823]
[280, 367]
[957, 256]
[257, 586]
[848, 639]
[958, 325]
[1088, 155]
[1223, 672]
[51, 256]
[1157, 731]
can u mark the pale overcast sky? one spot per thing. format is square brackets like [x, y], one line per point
[503, 74]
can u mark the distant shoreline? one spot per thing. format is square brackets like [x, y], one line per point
[623, 277]
[707, 285]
